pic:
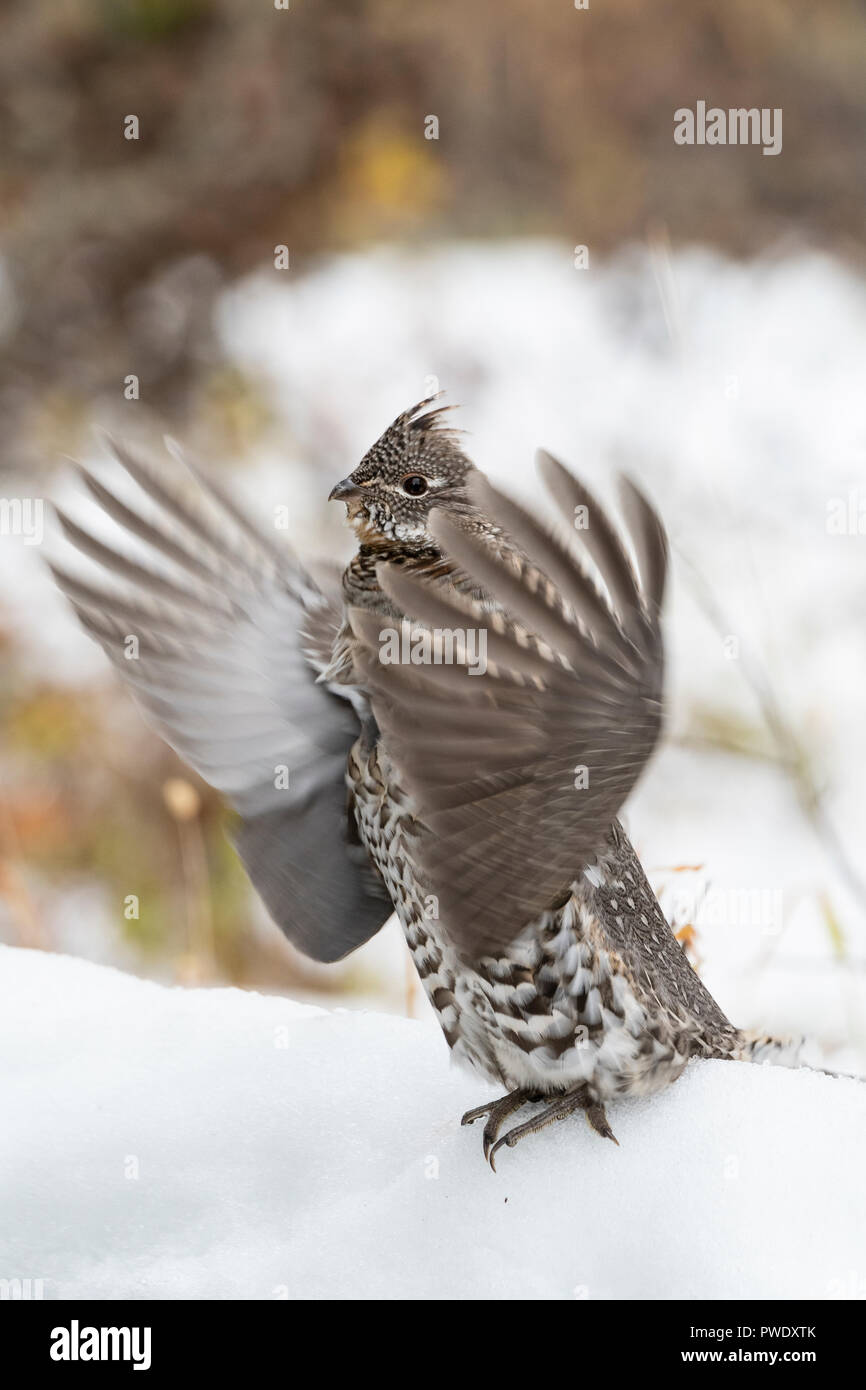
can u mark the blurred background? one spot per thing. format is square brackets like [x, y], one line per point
[430, 173]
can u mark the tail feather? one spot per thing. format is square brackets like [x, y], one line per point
[767, 1050]
[738, 1045]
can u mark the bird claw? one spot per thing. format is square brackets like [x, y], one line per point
[472, 1115]
[497, 1111]
[597, 1120]
[510, 1139]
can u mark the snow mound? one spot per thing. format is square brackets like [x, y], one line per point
[175, 1143]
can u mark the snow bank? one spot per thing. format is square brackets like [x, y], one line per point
[171, 1143]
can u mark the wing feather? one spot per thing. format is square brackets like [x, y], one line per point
[517, 771]
[231, 635]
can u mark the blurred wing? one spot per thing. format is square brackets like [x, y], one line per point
[222, 646]
[519, 770]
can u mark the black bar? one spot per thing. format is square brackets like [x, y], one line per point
[234, 1338]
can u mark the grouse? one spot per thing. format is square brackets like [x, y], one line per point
[447, 730]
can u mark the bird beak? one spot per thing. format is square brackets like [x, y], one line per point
[344, 491]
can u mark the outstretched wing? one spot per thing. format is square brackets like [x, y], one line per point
[519, 769]
[222, 640]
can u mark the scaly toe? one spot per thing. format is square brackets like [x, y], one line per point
[472, 1115]
[515, 1100]
[597, 1119]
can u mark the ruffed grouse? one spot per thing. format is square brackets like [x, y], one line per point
[461, 719]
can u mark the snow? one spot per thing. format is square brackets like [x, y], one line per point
[178, 1143]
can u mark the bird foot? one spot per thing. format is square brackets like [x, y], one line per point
[497, 1112]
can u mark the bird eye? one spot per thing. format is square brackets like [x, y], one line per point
[414, 485]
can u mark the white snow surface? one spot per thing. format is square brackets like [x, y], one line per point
[177, 1143]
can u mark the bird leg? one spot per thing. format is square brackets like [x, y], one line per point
[579, 1099]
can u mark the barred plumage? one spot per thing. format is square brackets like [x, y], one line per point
[444, 790]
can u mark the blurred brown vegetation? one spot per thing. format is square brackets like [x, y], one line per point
[91, 800]
[305, 126]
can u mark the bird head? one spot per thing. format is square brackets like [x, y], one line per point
[416, 466]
